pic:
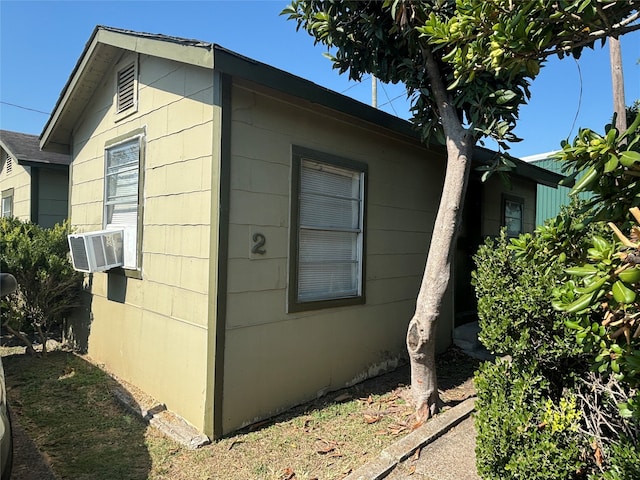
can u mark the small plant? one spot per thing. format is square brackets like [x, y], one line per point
[48, 287]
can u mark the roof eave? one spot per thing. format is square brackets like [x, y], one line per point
[55, 136]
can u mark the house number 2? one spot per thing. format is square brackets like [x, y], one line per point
[258, 246]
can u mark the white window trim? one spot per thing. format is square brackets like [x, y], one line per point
[7, 199]
[132, 248]
[301, 155]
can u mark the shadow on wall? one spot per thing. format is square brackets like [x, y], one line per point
[76, 329]
[78, 325]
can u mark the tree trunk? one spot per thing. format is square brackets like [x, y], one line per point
[22, 338]
[421, 334]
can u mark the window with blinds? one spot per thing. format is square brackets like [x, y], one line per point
[126, 88]
[122, 187]
[7, 203]
[329, 232]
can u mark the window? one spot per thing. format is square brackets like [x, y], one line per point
[126, 95]
[6, 209]
[513, 215]
[122, 205]
[327, 231]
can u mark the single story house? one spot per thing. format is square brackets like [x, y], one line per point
[275, 231]
[34, 184]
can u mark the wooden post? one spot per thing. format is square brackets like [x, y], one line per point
[617, 81]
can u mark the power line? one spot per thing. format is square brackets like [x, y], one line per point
[355, 84]
[390, 101]
[24, 108]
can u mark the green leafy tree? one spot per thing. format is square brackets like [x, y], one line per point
[48, 286]
[467, 66]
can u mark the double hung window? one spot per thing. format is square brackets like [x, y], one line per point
[327, 244]
[513, 215]
[122, 195]
[7, 203]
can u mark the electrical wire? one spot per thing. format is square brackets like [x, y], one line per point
[356, 84]
[390, 102]
[24, 108]
[575, 119]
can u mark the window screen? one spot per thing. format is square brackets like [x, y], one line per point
[122, 195]
[329, 223]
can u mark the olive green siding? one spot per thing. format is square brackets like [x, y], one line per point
[18, 178]
[494, 191]
[283, 358]
[152, 331]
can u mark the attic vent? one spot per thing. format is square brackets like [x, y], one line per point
[9, 165]
[126, 87]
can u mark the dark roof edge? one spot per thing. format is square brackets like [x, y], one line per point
[234, 64]
[484, 156]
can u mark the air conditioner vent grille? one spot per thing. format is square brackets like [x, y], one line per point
[97, 251]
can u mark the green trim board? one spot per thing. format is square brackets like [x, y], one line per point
[218, 316]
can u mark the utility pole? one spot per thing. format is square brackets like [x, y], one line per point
[617, 81]
[374, 92]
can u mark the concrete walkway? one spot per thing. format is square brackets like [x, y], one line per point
[450, 457]
[441, 449]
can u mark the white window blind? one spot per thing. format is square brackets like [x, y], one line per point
[122, 195]
[330, 232]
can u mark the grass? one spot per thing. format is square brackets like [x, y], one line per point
[67, 406]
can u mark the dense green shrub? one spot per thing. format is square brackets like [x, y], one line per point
[514, 281]
[563, 303]
[624, 461]
[48, 287]
[522, 433]
[533, 409]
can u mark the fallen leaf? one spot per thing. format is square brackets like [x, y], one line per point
[372, 418]
[416, 425]
[368, 400]
[416, 455]
[288, 474]
[397, 429]
[325, 447]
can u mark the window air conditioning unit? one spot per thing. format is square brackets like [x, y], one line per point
[96, 251]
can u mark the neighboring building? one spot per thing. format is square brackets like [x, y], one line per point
[34, 184]
[275, 231]
[550, 200]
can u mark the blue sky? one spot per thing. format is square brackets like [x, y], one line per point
[40, 42]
